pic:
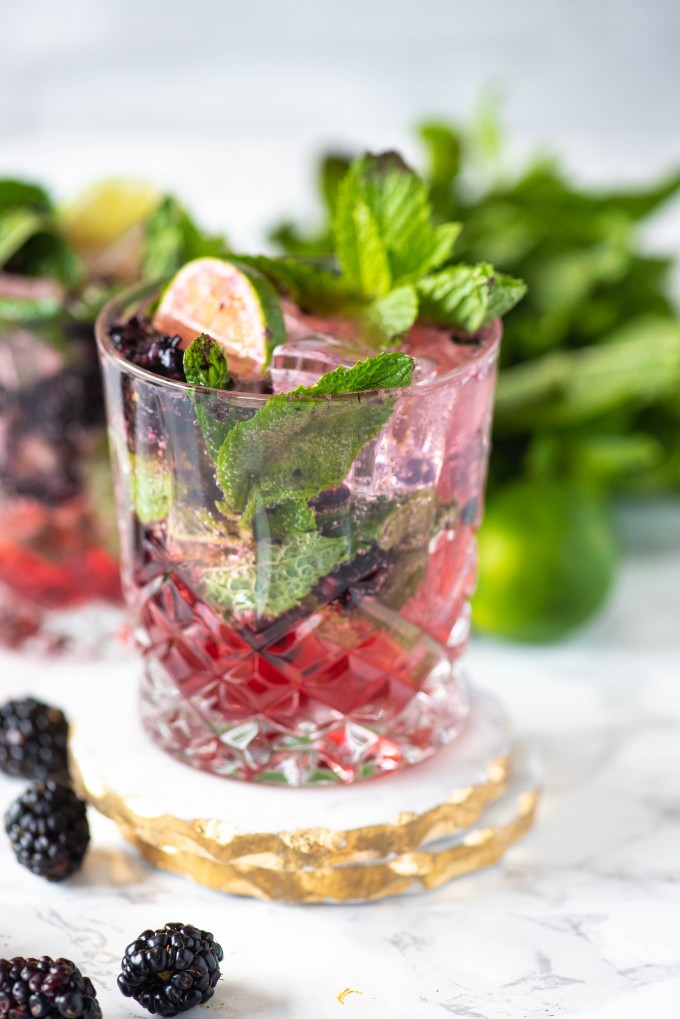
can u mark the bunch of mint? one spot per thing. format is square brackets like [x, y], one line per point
[590, 365]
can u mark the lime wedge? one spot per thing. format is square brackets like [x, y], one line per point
[234, 304]
[106, 226]
[103, 213]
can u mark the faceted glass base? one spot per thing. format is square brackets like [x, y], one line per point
[322, 746]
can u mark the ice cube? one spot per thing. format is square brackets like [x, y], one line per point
[302, 361]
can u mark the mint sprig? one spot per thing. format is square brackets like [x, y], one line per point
[382, 225]
[205, 365]
[386, 267]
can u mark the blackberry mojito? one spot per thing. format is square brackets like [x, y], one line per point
[57, 553]
[54, 557]
[300, 467]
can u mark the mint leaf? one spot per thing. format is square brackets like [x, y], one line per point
[295, 448]
[205, 364]
[16, 226]
[18, 193]
[467, 296]
[29, 309]
[274, 578]
[298, 445]
[30, 238]
[285, 519]
[360, 247]
[444, 152]
[505, 293]
[400, 215]
[388, 370]
[151, 488]
[314, 284]
[388, 318]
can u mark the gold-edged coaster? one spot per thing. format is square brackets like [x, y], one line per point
[418, 827]
[261, 876]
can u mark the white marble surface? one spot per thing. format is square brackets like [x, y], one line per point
[582, 919]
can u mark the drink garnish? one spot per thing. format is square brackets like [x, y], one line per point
[390, 263]
[236, 305]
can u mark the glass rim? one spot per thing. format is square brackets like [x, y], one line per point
[111, 312]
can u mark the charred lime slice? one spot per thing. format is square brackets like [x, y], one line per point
[232, 303]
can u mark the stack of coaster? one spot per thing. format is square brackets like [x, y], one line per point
[456, 813]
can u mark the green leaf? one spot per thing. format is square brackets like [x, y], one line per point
[29, 309]
[315, 285]
[20, 194]
[440, 246]
[151, 488]
[640, 203]
[274, 578]
[505, 293]
[594, 460]
[638, 366]
[387, 319]
[388, 370]
[444, 153]
[285, 519]
[361, 251]
[205, 364]
[16, 226]
[467, 296]
[458, 296]
[332, 170]
[400, 215]
[47, 253]
[298, 445]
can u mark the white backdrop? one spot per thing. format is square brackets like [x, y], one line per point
[226, 101]
[575, 66]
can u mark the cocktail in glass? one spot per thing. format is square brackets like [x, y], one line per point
[315, 638]
[56, 554]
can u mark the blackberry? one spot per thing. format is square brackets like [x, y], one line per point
[171, 969]
[364, 574]
[46, 989]
[33, 739]
[139, 343]
[48, 830]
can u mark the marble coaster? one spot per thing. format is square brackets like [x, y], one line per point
[265, 876]
[166, 804]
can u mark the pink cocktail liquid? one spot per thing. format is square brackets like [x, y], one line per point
[344, 693]
[53, 555]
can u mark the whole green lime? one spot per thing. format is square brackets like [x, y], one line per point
[547, 559]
